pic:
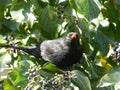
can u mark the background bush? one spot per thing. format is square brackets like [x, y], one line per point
[26, 22]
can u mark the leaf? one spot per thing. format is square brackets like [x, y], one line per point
[17, 79]
[8, 85]
[5, 2]
[94, 9]
[2, 8]
[104, 36]
[111, 78]
[22, 11]
[52, 68]
[83, 25]
[48, 22]
[2, 41]
[95, 71]
[5, 59]
[106, 88]
[16, 14]
[80, 80]
[20, 80]
[12, 76]
[117, 4]
[12, 25]
[106, 64]
[46, 74]
[53, 2]
[24, 66]
[110, 12]
[90, 8]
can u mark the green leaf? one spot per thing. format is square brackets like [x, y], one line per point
[80, 6]
[53, 2]
[104, 36]
[48, 22]
[111, 78]
[23, 11]
[117, 4]
[24, 66]
[95, 71]
[43, 3]
[2, 8]
[110, 12]
[7, 26]
[52, 68]
[12, 25]
[20, 80]
[80, 80]
[5, 2]
[90, 8]
[12, 76]
[83, 25]
[46, 74]
[94, 9]
[8, 85]
[17, 79]
[106, 88]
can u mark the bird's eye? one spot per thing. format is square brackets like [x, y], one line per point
[70, 35]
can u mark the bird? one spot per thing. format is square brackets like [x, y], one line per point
[62, 52]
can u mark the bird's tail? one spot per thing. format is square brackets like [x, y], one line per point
[32, 50]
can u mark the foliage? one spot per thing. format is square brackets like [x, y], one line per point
[26, 22]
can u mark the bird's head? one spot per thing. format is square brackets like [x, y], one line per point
[72, 35]
[72, 38]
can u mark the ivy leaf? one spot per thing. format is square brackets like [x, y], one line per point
[48, 22]
[80, 80]
[51, 67]
[90, 8]
[111, 78]
[8, 85]
[17, 79]
[5, 59]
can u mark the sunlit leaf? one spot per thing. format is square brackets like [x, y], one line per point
[2, 41]
[5, 59]
[106, 64]
[87, 7]
[110, 12]
[52, 68]
[111, 78]
[8, 85]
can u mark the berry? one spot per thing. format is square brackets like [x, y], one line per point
[40, 82]
[116, 52]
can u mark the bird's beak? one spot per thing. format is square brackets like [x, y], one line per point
[74, 36]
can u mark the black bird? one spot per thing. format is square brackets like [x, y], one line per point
[62, 52]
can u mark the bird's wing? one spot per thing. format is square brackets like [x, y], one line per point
[53, 49]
